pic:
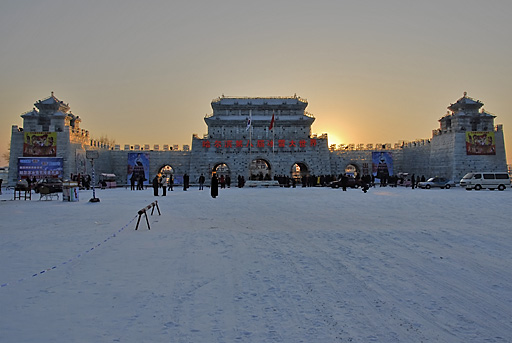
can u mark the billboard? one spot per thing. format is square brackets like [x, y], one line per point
[138, 167]
[42, 167]
[480, 143]
[382, 164]
[40, 144]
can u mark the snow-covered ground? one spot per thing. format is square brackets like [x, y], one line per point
[259, 265]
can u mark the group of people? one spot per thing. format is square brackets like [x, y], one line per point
[167, 182]
[344, 181]
[83, 181]
[137, 181]
[402, 180]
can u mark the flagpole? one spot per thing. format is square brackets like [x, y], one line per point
[273, 140]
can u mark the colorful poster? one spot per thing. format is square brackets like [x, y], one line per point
[480, 143]
[138, 167]
[42, 167]
[382, 164]
[40, 144]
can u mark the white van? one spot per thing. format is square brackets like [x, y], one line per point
[490, 180]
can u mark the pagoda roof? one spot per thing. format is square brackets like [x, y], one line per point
[465, 103]
[52, 101]
[31, 113]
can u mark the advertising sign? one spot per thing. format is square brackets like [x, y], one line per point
[42, 167]
[41, 144]
[138, 167]
[382, 164]
[480, 143]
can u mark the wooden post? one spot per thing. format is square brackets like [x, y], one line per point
[144, 212]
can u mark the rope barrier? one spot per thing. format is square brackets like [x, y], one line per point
[114, 235]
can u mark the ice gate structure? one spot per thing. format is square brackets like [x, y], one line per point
[258, 138]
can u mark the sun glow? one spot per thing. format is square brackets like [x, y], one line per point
[334, 139]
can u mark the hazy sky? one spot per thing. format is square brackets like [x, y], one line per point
[145, 72]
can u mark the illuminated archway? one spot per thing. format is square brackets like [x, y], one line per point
[299, 170]
[221, 169]
[352, 170]
[166, 172]
[259, 169]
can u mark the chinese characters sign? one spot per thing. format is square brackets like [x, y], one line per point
[43, 167]
[260, 143]
[480, 143]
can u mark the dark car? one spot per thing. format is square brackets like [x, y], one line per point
[351, 183]
[53, 184]
[440, 182]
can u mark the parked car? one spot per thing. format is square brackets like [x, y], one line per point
[440, 182]
[53, 184]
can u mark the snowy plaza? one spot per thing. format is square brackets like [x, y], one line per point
[258, 265]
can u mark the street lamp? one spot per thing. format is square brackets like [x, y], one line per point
[91, 155]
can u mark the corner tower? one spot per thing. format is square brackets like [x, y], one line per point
[467, 141]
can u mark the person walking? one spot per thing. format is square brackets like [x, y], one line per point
[413, 181]
[201, 182]
[214, 186]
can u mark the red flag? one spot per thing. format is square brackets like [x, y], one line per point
[271, 122]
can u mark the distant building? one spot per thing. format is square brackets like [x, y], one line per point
[258, 138]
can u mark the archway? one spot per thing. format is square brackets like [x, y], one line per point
[166, 173]
[221, 169]
[299, 170]
[259, 169]
[352, 170]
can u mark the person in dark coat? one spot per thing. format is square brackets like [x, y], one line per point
[344, 182]
[133, 178]
[156, 184]
[185, 181]
[201, 182]
[214, 186]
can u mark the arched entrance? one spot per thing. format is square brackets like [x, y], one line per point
[299, 170]
[166, 173]
[352, 170]
[221, 169]
[259, 169]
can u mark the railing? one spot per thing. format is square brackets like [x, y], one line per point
[378, 146]
[307, 114]
[265, 97]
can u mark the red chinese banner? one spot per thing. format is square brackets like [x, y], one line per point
[260, 143]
